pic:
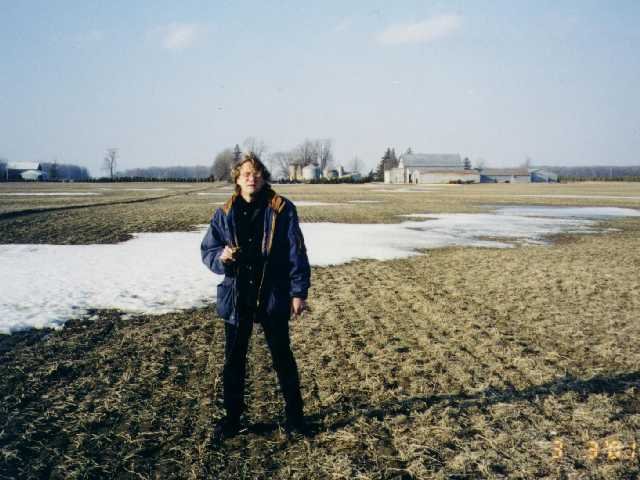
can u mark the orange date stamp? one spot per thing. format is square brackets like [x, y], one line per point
[611, 450]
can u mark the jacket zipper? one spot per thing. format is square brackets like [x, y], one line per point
[237, 272]
[264, 269]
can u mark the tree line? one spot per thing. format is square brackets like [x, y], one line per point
[597, 173]
[311, 151]
[64, 171]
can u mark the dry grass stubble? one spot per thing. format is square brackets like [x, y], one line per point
[459, 363]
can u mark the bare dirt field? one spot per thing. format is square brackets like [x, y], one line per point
[457, 363]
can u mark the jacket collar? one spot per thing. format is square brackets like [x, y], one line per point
[275, 201]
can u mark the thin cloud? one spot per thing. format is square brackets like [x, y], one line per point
[422, 32]
[178, 36]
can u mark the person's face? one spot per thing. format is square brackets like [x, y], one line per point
[249, 180]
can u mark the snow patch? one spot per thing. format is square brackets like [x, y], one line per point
[45, 285]
[572, 212]
[611, 197]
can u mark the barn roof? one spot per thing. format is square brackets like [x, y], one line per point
[517, 172]
[452, 172]
[431, 160]
[23, 166]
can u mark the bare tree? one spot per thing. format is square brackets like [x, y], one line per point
[325, 153]
[110, 161]
[306, 153]
[237, 153]
[280, 162]
[255, 145]
[4, 169]
[527, 163]
[53, 170]
[356, 164]
[480, 163]
[221, 168]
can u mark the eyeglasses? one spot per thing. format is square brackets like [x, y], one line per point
[251, 174]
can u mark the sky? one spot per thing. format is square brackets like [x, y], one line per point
[174, 83]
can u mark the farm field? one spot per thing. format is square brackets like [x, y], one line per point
[461, 362]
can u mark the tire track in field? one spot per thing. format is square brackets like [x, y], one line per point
[34, 211]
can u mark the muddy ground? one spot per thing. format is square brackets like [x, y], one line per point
[458, 363]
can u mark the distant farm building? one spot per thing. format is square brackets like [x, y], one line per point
[430, 168]
[505, 175]
[543, 176]
[330, 173]
[312, 172]
[295, 172]
[21, 171]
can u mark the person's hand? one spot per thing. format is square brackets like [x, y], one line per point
[228, 254]
[298, 305]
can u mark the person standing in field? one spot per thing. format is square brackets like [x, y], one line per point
[256, 242]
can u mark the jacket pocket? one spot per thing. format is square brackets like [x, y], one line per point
[224, 298]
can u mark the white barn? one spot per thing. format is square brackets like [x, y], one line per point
[25, 171]
[430, 168]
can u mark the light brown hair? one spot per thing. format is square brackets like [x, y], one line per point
[257, 165]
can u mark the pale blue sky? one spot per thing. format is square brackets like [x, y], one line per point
[175, 82]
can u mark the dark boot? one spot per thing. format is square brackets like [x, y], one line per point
[226, 427]
[296, 425]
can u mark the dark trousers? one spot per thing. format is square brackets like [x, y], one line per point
[276, 332]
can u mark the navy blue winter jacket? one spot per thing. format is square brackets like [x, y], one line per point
[286, 271]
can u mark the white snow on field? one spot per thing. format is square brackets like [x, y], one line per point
[44, 285]
[44, 194]
[561, 212]
[611, 197]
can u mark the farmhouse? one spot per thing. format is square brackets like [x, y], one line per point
[505, 175]
[25, 171]
[430, 168]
